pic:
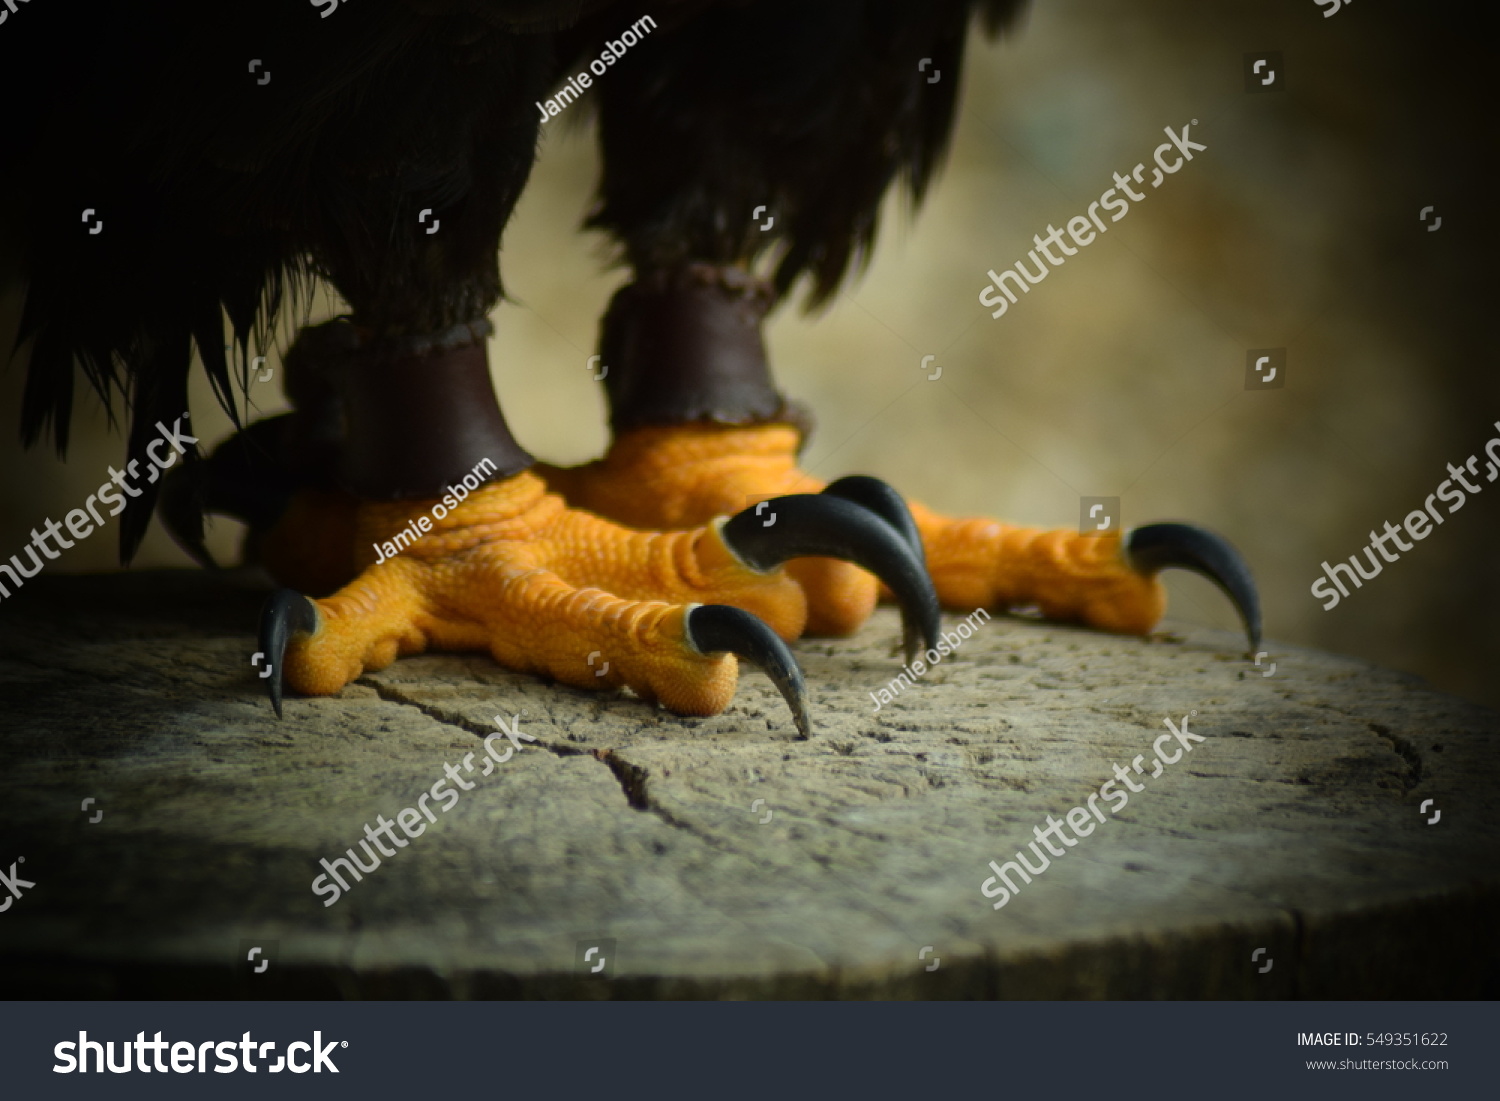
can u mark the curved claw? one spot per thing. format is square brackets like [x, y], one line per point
[883, 501]
[719, 628]
[286, 611]
[815, 525]
[1156, 547]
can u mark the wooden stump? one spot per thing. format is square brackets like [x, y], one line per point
[724, 857]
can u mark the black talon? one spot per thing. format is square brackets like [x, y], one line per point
[817, 525]
[286, 611]
[719, 628]
[1156, 547]
[883, 501]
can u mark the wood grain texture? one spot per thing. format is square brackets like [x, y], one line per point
[1294, 826]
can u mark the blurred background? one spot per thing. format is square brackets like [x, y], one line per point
[1123, 374]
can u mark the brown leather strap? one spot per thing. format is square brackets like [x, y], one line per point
[411, 417]
[685, 346]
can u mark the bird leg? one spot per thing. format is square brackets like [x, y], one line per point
[435, 534]
[699, 430]
[698, 423]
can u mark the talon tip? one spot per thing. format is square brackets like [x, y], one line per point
[862, 520]
[719, 628]
[1156, 547]
[287, 611]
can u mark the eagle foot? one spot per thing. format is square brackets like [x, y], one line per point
[553, 590]
[673, 477]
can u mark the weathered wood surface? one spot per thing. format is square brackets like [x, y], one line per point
[1293, 827]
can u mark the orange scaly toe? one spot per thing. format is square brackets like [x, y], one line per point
[554, 590]
[542, 587]
[669, 478]
[664, 477]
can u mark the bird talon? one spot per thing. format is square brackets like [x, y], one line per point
[689, 472]
[513, 571]
[1156, 547]
[720, 628]
[287, 611]
[880, 498]
[834, 526]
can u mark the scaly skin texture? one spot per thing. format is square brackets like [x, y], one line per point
[679, 476]
[670, 478]
[541, 586]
